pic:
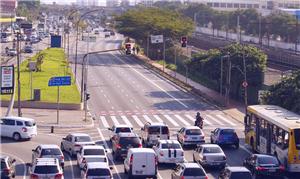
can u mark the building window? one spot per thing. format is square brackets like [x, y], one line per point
[236, 5]
[216, 4]
[243, 5]
[249, 6]
[280, 5]
[229, 5]
[223, 5]
[256, 6]
[210, 4]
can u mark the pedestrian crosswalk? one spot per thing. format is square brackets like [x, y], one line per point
[173, 121]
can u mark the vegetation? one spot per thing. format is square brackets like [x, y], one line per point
[29, 9]
[286, 93]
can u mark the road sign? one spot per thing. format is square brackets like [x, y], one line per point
[156, 39]
[56, 41]
[245, 84]
[7, 79]
[60, 81]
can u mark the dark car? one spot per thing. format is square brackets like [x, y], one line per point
[264, 165]
[224, 136]
[28, 49]
[124, 141]
[235, 173]
[8, 169]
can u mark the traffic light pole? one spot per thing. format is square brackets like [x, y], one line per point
[19, 82]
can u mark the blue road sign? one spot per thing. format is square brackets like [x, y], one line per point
[56, 41]
[60, 81]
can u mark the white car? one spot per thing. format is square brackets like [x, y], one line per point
[18, 127]
[209, 155]
[91, 151]
[96, 170]
[169, 151]
[191, 135]
[119, 128]
[73, 142]
[48, 151]
[46, 168]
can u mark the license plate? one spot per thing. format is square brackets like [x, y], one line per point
[139, 172]
[272, 170]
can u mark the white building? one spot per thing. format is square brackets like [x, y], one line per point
[112, 3]
[146, 3]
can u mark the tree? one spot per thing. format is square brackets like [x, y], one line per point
[201, 12]
[286, 93]
[29, 9]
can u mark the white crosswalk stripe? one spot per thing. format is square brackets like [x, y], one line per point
[138, 121]
[226, 120]
[171, 120]
[126, 120]
[158, 118]
[114, 119]
[213, 119]
[104, 121]
[182, 120]
[147, 118]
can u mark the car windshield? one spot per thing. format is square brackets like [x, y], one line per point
[123, 129]
[93, 152]
[29, 123]
[193, 172]
[263, 160]
[45, 169]
[51, 152]
[3, 165]
[212, 150]
[83, 139]
[227, 132]
[170, 146]
[239, 175]
[154, 130]
[164, 130]
[193, 132]
[297, 138]
[98, 172]
[133, 141]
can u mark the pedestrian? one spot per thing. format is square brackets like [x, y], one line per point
[137, 50]
[133, 50]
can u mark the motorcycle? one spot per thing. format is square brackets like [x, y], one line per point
[199, 124]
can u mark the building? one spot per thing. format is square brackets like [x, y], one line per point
[92, 3]
[112, 3]
[146, 3]
[8, 8]
[82, 2]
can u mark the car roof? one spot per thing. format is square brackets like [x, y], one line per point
[142, 150]
[48, 146]
[168, 141]
[157, 124]
[238, 169]
[126, 134]
[191, 165]
[210, 145]
[122, 125]
[224, 128]
[192, 127]
[97, 165]
[79, 134]
[92, 147]
[264, 155]
[18, 118]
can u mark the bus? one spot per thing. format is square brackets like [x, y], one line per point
[273, 130]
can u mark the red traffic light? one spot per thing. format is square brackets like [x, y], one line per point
[128, 46]
[183, 39]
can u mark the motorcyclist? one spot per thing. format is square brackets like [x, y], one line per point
[199, 119]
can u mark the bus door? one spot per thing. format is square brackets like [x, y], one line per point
[257, 133]
[269, 137]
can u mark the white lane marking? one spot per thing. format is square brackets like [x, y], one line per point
[213, 119]
[147, 118]
[22, 162]
[109, 156]
[104, 121]
[115, 121]
[152, 82]
[182, 120]
[171, 120]
[137, 120]
[226, 120]
[126, 120]
[158, 118]
[71, 164]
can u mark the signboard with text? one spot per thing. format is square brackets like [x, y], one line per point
[60, 81]
[156, 39]
[56, 41]
[7, 79]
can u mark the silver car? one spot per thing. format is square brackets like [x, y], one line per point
[191, 135]
[188, 171]
[210, 155]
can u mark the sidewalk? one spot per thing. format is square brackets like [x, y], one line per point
[235, 109]
[48, 117]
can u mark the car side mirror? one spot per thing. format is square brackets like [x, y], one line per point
[13, 160]
[212, 132]
[109, 129]
[64, 138]
[111, 168]
[33, 150]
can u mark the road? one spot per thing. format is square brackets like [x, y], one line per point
[124, 91]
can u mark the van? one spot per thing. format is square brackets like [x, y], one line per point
[141, 162]
[18, 127]
[153, 132]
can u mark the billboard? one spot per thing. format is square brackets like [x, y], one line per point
[56, 41]
[7, 79]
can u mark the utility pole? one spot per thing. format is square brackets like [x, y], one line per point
[86, 78]
[238, 30]
[245, 80]
[164, 53]
[228, 81]
[18, 72]
[148, 46]
[259, 30]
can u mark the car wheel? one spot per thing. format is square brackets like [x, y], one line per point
[16, 136]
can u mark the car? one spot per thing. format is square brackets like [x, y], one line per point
[235, 173]
[141, 162]
[89, 153]
[46, 168]
[224, 136]
[94, 170]
[96, 32]
[122, 142]
[28, 49]
[191, 135]
[73, 142]
[112, 33]
[8, 167]
[48, 151]
[153, 132]
[18, 127]
[119, 128]
[107, 35]
[12, 52]
[188, 171]
[209, 155]
[169, 151]
[262, 165]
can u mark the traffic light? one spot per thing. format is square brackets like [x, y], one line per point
[87, 96]
[128, 48]
[183, 41]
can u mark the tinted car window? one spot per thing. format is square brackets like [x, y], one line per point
[154, 130]
[9, 122]
[83, 139]
[45, 169]
[123, 129]
[164, 130]
[93, 152]
[211, 150]
[98, 172]
[239, 175]
[19, 123]
[133, 141]
[267, 160]
[3, 165]
[227, 132]
[170, 146]
[50, 152]
[29, 123]
[193, 132]
[193, 172]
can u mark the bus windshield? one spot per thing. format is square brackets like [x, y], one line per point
[297, 138]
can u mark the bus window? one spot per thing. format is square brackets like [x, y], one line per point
[263, 128]
[283, 139]
[297, 138]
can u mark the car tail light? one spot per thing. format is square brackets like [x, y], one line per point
[260, 168]
[281, 168]
[24, 129]
[77, 145]
[62, 157]
[206, 177]
[58, 176]
[140, 145]
[6, 171]
[118, 146]
[131, 159]
[182, 177]
[33, 176]
[161, 153]
[204, 158]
